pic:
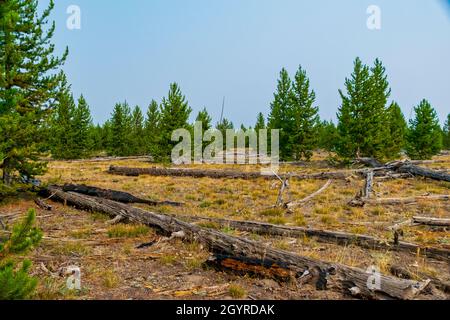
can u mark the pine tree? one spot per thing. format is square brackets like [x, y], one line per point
[175, 112]
[280, 116]
[424, 138]
[137, 132]
[119, 138]
[397, 128]
[152, 132]
[62, 138]
[362, 115]
[446, 133]
[223, 127]
[16, 283]
[28, 82]
[97, 135]
[328, 136]
[260, 122]
[303, 137]
[376, 116]
[206, 120]
[81, 128]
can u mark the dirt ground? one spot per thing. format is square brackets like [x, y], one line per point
[112, 267]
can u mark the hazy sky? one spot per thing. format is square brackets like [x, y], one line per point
[131, 50]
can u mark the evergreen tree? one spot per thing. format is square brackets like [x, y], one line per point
[62, 138]
[28, 81]
[152, 132]
[303, 137]
[260, 122]
[97, 135]
[424, 138]
[175, 112]
[16, 283]
[206, 120]
[223, 127]
[397, 128]
[81, 128]
[328, 136]
[119, 138]
[446, 133]
[376, 115]
[137, 132]
[280, 116]
[363, 114]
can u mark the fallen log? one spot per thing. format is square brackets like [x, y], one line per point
[341, 238]
[327, 236]
[408, 167]
[293, 204]
[43, 205]
[407, 200]
[223, 174]
[119, 196]
[423, 172]
[437, 222]
[345, 278]
[404, 273]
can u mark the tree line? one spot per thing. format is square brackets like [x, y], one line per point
[369, 124]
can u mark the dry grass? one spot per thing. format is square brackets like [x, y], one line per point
[108, 254]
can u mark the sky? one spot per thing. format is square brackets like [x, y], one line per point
[132, 50]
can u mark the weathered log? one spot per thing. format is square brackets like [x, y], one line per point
[43, 205]
[438, 222]
[223, 174]
[240, 248]
[408, 167]
[119, 196]
[407, 200]
[297, 203]
[423, 172]
[404, 273]
[327, 236]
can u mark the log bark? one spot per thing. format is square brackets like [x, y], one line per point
[327, 236]
[437, 222]
[294, 204]
[43, 205]
[119, 196]
[223, 174]
[220, 243]
[404, 273]
[408, 200]
[423, 172]
[408, 167]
